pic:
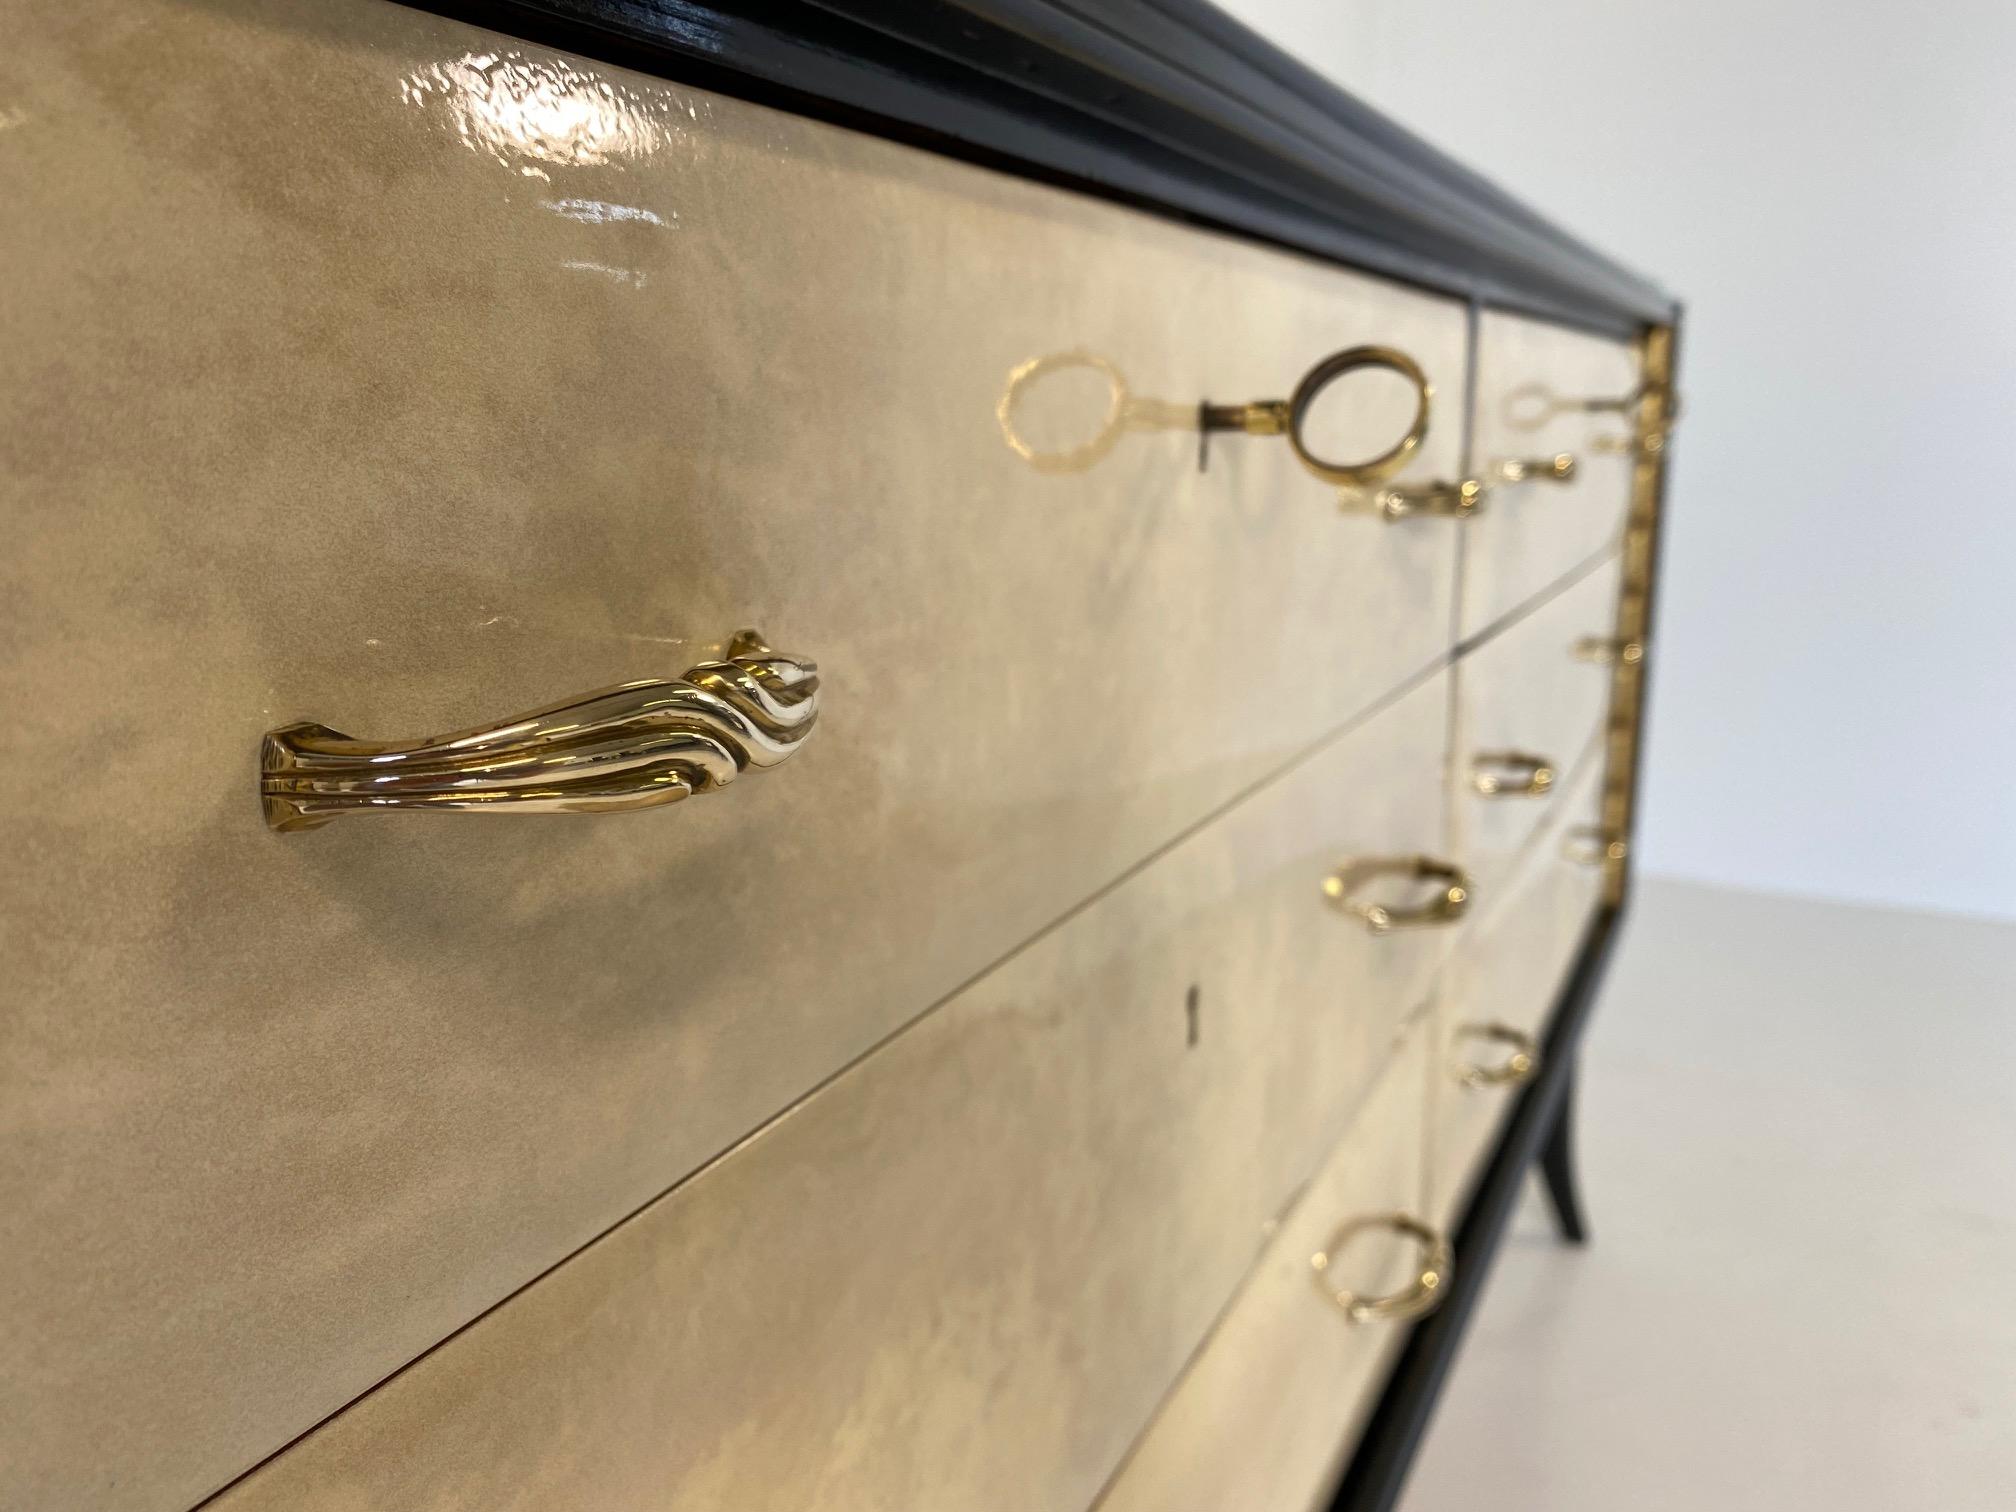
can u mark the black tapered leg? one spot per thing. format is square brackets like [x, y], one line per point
[1557, 1168]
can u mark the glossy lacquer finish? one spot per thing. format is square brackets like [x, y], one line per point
[368, 369]
[1545, 392]
[962, 1275]
[1265, 1414]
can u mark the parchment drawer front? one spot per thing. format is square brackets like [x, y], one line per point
[1531, 702]
[1501, 987]
[1542, 392]
[378, 371]
[1265, 1415]
[977, 1260]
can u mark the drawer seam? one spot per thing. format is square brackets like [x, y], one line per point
[1527, 607]
[1413, 683]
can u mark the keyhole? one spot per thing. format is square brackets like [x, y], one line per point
[1191, 1002]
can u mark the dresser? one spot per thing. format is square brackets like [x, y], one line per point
[782, 757]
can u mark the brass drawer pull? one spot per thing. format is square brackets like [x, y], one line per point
[1606, 650]
[1457, 500]
[1593, 845]
[1511, 774]
[1559, 468]
[1532, 405]
[1418, 1298]
[1521, 1065]
[1289, 417]
[1451, 897]
[1649, 443]
[628, 747]
[1126, 412]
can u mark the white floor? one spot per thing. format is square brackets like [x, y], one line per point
[1798, 1147]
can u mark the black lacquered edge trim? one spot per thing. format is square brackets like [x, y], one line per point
[1373, 1480]
[1165, 104]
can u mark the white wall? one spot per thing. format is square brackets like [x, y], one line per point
[1832, 189]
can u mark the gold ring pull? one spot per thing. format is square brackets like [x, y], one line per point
[1450, 898]
[1124, 412]
[1521, 1065]
[1608, 649]
[1418, 1298]
[1457, 500]
[1532, 405]
[628, 747]
[1289, 417]
[1511, 774]
[1593, 845]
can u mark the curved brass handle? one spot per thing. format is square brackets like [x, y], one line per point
[1461, 499]
[1511, 774]
[1606, 649]
[1593, 845]
[1451, 898]
[628, 747]
[1416, 1299]
[1520, 1066]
